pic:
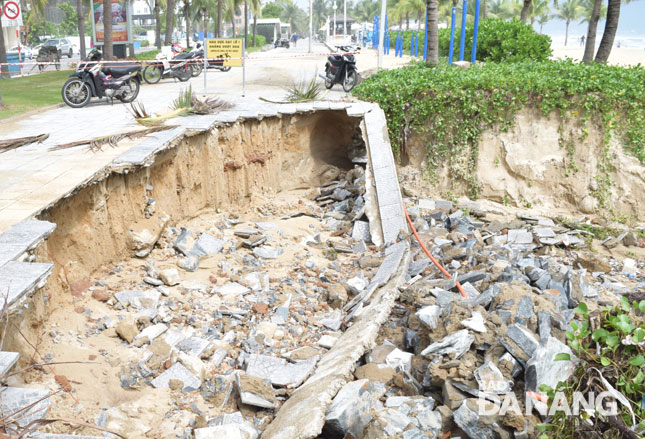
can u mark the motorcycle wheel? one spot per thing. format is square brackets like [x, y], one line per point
[76, 93]
[226, 68]
[185, 73]
[152, 74]
[196, 69]
[350, 81]
[134, 91]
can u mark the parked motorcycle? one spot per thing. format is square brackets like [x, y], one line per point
[167, 67]
[341, 69]
[94, 79]
[195, 58]
[198, 54]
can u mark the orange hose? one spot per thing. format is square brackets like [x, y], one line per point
[443, 270]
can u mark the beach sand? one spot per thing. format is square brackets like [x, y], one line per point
[619, 56]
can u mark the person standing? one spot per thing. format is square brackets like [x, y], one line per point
[582, 40]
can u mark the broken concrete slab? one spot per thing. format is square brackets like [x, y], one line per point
[349, 412]
[27, 234]
[178, 372]
[19, 279]
[7, 361]
[455, 345]
[280, 372]
[138, 299]
[256, 391]
[231, 289]
[542, 368]
[13, 400]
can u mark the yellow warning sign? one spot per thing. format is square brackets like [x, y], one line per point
[228, 48]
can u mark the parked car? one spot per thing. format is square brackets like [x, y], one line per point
[63, 45]
[24, 50]
[35, 50]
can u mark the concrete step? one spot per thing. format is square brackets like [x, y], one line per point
[19, 279]
[23, 237]
[12, 399]
[7, 361]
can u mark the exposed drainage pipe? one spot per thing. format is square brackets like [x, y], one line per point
[432, 258]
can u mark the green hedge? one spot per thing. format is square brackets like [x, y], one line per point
[497, 40]
[260, 40]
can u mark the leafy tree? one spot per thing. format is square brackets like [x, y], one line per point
[322, 10]
[365, 10]
[272, 10]
[69, 25]
[569, 10]
[544, 19]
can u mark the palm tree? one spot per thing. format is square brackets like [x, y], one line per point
[433, 32]
[108, 50]
[159, 4]
[418, 7]
[187, 18]
[539, 8]
[322, 11]
[611, 25]
[170, 19]
[593, 10]
[569, 10]
[256, 9]
[220, 4]
[504, 9]
[544, 19]
[293, 15]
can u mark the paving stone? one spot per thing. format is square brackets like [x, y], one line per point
[361, 231]
[27, 234]
[14, 399]
[519, 236]
[7, 361]
[18, 279]
[194, 346]
[349, 412]
[256, 391]
[178, 372]
[138, 299]
[232, 289]
[280, 372]
[455, 345]
[542, 368]
[267, 252]
[207, 245]
[491, 380]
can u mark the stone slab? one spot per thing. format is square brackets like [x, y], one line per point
[7, 361]
[178, 372]
[13, 399]
[20, 278]
[27, 233]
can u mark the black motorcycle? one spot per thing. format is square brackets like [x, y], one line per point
[95, 79]
[341, 69]
[198, 53]
[180, 68]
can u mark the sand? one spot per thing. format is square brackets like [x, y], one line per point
[619, 56]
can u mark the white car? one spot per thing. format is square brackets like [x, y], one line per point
[63, 45]
[24, 50]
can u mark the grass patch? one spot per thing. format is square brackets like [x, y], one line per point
[31, 92]
[148, 55]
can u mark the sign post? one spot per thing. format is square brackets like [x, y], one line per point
[228, 51]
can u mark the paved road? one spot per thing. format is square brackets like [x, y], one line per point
[32, 176]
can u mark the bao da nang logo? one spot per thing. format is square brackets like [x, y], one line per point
[602, 403]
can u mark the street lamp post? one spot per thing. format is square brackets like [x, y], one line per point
[344, 21]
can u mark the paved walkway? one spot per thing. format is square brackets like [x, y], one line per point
[32, 177]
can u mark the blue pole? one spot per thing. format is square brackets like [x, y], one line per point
[462, 41]
[452, 35]
[473, 56]
[416, 46]
[400, 44]
[411, 45]
[425, 44]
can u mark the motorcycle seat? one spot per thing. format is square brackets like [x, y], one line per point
[117, 71]
[335, 60]
[183, 56]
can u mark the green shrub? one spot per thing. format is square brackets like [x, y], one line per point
[451, 107]
[150, 54]
[145, 43]
[499, 40]
[260, 40]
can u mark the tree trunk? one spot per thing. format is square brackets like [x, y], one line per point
[541, 26]
[407, 21]
[255, 27]
[611, 25]
[81, 26]
[233, 24]
[187, 17]
[419, 22]
[526, 7]
[590, 42]
[108, 50]
[170, 17]
[484, 6]
[157, 25]
[205, 24]
[246, 22]
[4, 68]
[1, 103]
[433, 32]
[566, 33]
[219, 18]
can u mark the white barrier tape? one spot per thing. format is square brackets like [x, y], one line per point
[143, 63]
